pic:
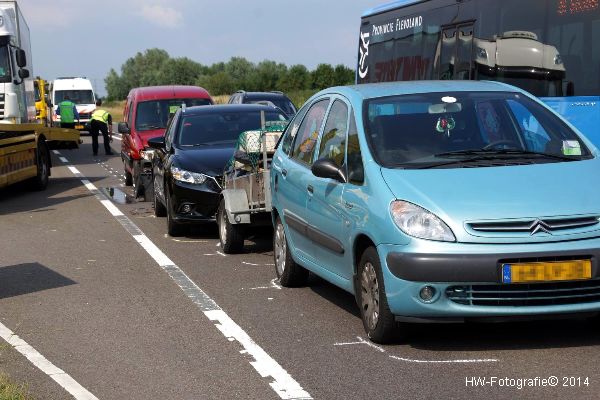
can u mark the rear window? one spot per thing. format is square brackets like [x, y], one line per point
[222, 127]
[155, 114]
[419, 130]
[282, 103]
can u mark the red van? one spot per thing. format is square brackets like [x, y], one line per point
[146, 115]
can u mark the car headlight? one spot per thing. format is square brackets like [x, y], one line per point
[418, 222]
[187, 176]
[147, 154]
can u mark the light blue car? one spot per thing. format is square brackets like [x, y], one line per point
[438, 201]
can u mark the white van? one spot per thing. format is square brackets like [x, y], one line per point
[80, 92]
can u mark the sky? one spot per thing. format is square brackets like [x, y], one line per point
[89, 37]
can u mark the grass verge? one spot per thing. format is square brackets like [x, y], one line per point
[13, 391]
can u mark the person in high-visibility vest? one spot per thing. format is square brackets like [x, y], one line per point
[101, 122]
[68, 113]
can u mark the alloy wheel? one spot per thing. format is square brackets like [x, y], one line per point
[369, 287]
[280, 249]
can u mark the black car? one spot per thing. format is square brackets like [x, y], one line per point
[189, 159]
[273, 99]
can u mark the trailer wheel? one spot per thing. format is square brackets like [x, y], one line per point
[40, 182]
[230, 235]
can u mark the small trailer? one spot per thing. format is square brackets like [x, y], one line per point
[246, 195]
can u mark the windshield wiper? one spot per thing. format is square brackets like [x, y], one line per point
[490, 153]
[148, 127]
[196, 145]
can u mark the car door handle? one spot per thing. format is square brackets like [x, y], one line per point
[348, 205]
[284, 172]
[310, 189]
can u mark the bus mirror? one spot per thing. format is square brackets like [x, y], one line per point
[21, 58]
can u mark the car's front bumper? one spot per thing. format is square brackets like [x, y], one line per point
[474, 271]
[203, 201]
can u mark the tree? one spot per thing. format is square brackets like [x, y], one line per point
[239, 70]
[343, 75]
[266, 76]
[114, 86]
[217, 84]
[323, 77]
[180, 71]
[296, 78]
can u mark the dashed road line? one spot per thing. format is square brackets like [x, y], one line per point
[42, 363]
[281, 381]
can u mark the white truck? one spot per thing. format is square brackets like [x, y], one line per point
[80, 91]
[17, 102]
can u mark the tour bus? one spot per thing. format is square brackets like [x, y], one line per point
[550, 48]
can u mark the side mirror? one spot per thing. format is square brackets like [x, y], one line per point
[157, 142]
[123, 128]
[23, 73]
[21, 58]
[326, 168]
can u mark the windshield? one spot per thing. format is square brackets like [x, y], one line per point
[76, 96]
[4, 65]
[221, 127]
[155, 114]
[283, 104]
[434, 128]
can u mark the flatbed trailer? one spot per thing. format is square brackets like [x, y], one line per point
[25, 152]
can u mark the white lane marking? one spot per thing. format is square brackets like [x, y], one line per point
[44, 365]
[116, 137]
[154, 252]
[491, 360]
[56, 151]
[90, 186]
[63, 159]
[361, 341]
[282, 383]
[74, 170]
[111, 208]
[249, 263]
[273, 285]
[221, 254]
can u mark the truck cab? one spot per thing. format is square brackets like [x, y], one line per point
[17, 103]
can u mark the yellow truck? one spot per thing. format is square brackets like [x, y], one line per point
[25, 152]
[42, 105]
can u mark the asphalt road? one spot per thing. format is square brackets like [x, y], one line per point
[178, 319]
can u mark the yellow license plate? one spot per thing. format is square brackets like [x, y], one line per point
[78, 126]
[571, 270]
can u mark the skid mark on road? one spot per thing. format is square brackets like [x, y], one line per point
[280, 380]
[361, 341]
[42, 363]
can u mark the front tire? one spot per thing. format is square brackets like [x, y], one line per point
[40, 182]
[290, 274]
[173, 227]
[159, 208]
[231, 236]
[378, 321]
[128, 178]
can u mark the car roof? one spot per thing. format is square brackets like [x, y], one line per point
[169, 92]
[228, 108]
[374, 90]
[264, 95]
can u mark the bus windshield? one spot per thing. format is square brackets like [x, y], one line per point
[549, 48]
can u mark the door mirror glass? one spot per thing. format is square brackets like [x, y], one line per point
[123, 128]
[24, 73]
[327, 168]
[21, 58]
